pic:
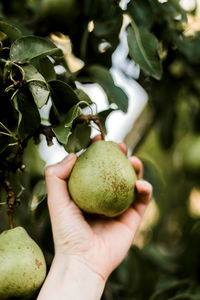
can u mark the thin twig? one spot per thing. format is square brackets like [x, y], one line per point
[11, 199]
[95, 119]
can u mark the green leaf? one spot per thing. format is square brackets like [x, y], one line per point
[16, 106]
[11, 31]
[82, 96]
[31, 73]
[46, 68]
[141, 12]
[190, 47]
[103, 28]
[37, 85]
[72, 114]
[143, 47]
[114, 93]
[79, 139]
[62, 133]
[63, 96]
[177, 7]
[30, 47]
[32, 159]
[39, 194]
[29, 117]
[171, 291]
[63, 130]
[40, 93]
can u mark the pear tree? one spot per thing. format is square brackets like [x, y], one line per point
[49, 51]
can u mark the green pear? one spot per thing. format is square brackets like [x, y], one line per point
[22, 264]
[102, 180]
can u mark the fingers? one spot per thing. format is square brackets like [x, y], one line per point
[56, 182]
[143, 196]
[96, 138]
[132, 217]
[122, 146]
[61, 169]
[137, 165]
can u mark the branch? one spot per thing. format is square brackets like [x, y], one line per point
[95, 119]
[11, 199]
[47, 132]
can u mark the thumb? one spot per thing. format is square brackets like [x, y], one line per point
[56, 175]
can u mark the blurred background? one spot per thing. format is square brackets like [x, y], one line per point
[161, 127]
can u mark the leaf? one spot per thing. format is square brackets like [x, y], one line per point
[31, 73]
[82, 96]
[16, 106]
[190, 47]
[37, 85]
[143, 47]
[62, 133]
[171, 290]
[29, 117]
[32, 159]
[104, 28]
[177, 7]
[103, 116]
[39, 194]
[31, 47]
[46, 68]
[11, 31]
[72, 114]
[63, 96]
[114, 93]
[141, 12]
[79, 139]
[40, 93]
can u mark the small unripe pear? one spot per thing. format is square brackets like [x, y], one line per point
[22, 264]
[102, 180]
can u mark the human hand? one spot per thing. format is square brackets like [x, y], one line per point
[96, 245]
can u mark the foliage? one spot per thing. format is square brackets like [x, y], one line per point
[167, 267]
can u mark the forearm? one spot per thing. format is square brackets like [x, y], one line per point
[71, 280]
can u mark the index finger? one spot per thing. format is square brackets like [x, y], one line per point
[137, 165]
[56, 182]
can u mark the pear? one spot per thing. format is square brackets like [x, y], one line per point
[102, 180]
[22, 264]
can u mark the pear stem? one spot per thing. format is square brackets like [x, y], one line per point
[95, 119]
[10, 218]
[98, 123]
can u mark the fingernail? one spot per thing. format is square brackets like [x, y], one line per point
[68, 157]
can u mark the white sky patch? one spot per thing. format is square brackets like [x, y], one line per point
[188, 5]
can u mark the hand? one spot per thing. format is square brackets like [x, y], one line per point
[94, 244]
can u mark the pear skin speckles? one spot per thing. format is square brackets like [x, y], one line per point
[22, 264]
[102, 180]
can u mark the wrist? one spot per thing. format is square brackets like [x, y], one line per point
[70, 278]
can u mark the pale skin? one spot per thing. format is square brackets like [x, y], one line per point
[87, 248]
